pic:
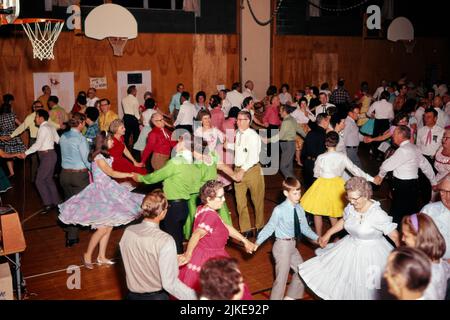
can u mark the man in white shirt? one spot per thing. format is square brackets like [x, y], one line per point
[248, 92]
[131, 116]
[44, 146]
[383, 112]
[185, 118]
[324, 105]
[150, 256]
[443, 119]
[429, 139]
[249, 172]
[226, 105]
[405, 164]
[235, 96]
[383, 87]
[440, 213]
[91, 97]
[352, 137]
[174, 106]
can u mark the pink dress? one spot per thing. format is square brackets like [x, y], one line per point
[212, 245]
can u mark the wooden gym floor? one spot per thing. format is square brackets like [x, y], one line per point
[46, 260]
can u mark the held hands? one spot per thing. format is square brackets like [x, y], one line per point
[183, 259]
[377, 180]
[21, 155]
[139, 164]
[323, 241]
[135, 176]
[240, 175]
[368, 139]
[250, 247]
[5, 138]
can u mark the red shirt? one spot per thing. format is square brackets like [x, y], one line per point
[217, 118]
[271, 116]
[158, 141]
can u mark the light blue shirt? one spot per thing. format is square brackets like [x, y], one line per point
[441, 217]
[282, 223]
[175, 102]
[74, 150]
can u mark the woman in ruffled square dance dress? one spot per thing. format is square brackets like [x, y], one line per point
[352, 268]
[103, 204]
[210, 235]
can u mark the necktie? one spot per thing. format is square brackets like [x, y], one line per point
[297, 230]
[428, 138]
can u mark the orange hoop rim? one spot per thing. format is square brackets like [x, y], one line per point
[36, 20]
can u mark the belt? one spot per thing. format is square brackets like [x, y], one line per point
[76, 170]
[287, 239]
[238, 167]
[46, 151]
[176, 200]
[352, 147]
[148, 293]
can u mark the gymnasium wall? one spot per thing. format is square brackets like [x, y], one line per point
[204, 61]
[305, 60]
[198, 61]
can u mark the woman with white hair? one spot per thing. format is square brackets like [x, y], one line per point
[352, 268]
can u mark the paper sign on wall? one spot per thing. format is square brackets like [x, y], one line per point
[98, 83]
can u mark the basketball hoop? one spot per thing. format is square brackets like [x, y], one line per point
[409, 45]
[43, 34]
[118, 43]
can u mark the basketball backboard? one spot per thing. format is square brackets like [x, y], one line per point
[113, 22]
[9, 11]
[400, 29]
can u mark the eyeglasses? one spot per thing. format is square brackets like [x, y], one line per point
[353, 199]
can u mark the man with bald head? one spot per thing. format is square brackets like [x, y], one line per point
[440, 213]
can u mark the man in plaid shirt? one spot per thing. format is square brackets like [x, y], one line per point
[93, 129]
[340, 95]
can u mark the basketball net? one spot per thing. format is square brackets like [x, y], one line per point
[43, 35]
[118, 43]
[409, 45]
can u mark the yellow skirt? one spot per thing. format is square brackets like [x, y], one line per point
[326, 197]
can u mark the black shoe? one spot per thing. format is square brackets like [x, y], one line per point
[47, 209]
[71, 242]
[247, 234]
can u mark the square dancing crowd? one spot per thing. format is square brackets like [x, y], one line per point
[174, 246]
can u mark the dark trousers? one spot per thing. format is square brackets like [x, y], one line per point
[131, 129]
[308, 172]
[44, 178]
[379, 128]
[404, 198]
[174, 221]
[424, 183]
[73, 183]
[159, 295]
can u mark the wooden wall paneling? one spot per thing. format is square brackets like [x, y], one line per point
[296, 59]
[216, 61]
